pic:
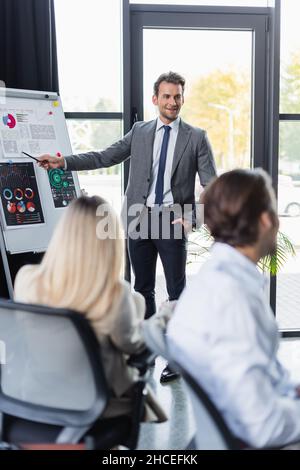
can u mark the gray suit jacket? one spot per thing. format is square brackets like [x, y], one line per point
[192, 155]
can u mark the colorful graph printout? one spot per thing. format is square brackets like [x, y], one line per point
[20, 198]
[62, 187]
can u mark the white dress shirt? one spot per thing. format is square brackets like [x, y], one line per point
[159, 134]
[226, 336]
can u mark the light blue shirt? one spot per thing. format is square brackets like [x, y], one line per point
[159, 134]
[226, 336]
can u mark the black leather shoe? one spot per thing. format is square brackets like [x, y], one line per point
[168, 375]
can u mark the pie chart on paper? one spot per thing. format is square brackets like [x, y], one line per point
[9, 121]
[30, 206]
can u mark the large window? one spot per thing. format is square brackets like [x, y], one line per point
[90, 78]
[221, 56]
[288, 286]
[218, 90]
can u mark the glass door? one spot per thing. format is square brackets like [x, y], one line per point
[218, 85]
[222, 57]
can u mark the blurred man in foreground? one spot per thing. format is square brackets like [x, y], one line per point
[223, 329]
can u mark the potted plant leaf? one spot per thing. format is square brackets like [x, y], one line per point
[202, 240]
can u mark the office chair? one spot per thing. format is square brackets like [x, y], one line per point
[212, 433]
[52, 383]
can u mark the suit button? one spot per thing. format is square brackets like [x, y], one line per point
[148, 180]
[144, 197]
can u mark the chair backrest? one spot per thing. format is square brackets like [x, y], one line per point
[51, 369]
[212, 433]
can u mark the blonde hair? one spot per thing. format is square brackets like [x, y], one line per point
[81, 268]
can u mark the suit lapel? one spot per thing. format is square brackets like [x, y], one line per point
[184, 133]
[149, 141]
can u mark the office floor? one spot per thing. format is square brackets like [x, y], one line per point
[177, 432]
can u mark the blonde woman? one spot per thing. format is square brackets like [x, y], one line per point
[81, 270]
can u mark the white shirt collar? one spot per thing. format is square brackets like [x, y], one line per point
[174, 125]
[230, 255]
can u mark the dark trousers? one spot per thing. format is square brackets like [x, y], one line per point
[143, 254]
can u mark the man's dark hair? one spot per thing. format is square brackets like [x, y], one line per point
[170, 77]
[233, 204]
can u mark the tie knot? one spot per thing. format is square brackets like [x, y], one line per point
[167, 128]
